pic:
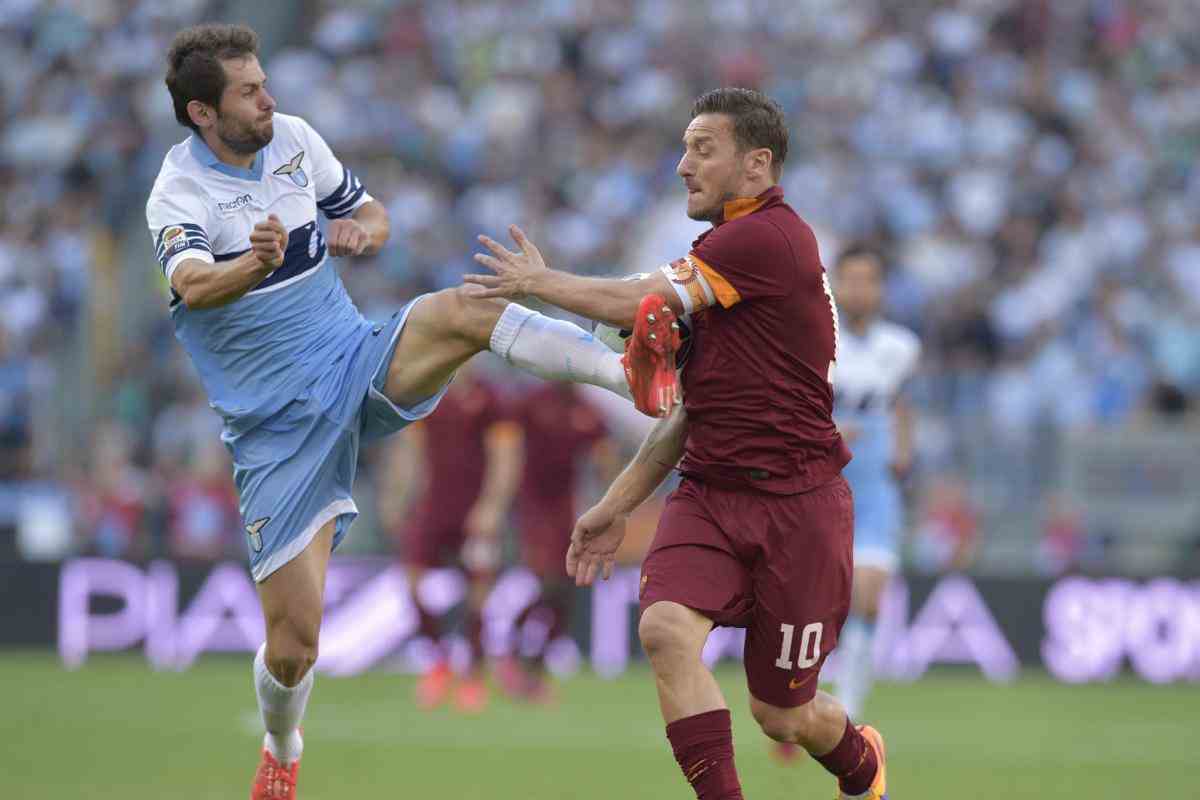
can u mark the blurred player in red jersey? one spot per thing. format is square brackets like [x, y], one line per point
[467, 453]
[759, 533]
[561, 430]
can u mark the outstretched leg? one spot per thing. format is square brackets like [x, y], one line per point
[446, 328]
[698, 722]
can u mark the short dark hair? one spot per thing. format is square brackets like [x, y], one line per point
[861, 250]
[194, 70]
[758, 121]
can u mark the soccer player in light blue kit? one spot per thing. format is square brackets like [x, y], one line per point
[298, 376]
[876, 358]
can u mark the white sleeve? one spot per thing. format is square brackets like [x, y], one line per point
[908, 355]
[177, 218]
[912, 355]
[339, 192]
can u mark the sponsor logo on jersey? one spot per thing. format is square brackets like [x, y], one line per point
[293, 170]
[235, 203]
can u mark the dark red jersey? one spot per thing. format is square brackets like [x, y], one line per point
[455, 456]
[756, 386]
[560, 427]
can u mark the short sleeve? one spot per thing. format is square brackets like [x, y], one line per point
[178, 222]
[748, 259]
[339, 192]
[910, 355]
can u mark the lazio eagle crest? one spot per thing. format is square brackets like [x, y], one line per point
[294, 171]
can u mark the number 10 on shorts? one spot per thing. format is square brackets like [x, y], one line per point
[810, 642]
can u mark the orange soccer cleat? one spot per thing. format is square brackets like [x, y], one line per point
[878, 790]
[273, 781]
[433, 688]
[649, 358]
[471, 695]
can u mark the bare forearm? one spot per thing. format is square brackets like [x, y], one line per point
[905, 422]
[502, 474]
[374, 219]
[204, 285]
[609, 300]
[658, 455]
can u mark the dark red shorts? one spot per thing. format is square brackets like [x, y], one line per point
[779, 566]
[432, 540]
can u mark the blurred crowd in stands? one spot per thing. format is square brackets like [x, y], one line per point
[1028, 167]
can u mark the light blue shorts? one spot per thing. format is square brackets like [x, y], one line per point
[878, 520]
[295, 471]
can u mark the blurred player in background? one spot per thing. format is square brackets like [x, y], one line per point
[297, 374]
[469, 455]
[561, 432]
[876, 360]
[759, 533]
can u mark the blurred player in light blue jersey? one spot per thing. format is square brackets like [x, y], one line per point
[875, 360]
[298, 376]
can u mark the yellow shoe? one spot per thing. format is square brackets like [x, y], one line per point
[878, 790]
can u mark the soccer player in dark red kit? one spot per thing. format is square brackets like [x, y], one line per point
[467, 453]
[759, 533]
[561, 433]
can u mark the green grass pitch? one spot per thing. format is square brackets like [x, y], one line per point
[115, 729]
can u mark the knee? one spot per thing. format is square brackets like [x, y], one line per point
[291, 649]
[782, 724]
[467, 316]
[664, 631]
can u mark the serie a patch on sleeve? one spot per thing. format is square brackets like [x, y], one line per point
[174, 241]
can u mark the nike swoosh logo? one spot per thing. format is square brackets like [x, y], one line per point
[795, 684]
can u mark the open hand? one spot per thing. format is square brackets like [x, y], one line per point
[269, 241]
[515, 272]
[594, 542]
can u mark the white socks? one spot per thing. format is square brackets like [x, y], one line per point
[855, 671]
[282, 709]
[556, 350]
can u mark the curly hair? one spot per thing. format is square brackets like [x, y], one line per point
[194, 70]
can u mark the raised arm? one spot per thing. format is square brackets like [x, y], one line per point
[611, 300]
[601, 529]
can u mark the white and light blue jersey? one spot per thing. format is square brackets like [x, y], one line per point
[256, 354]
[871, 371]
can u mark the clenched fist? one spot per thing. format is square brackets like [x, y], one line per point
[269, 241]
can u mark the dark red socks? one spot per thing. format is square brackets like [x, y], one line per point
[703, 746]
[852, 762]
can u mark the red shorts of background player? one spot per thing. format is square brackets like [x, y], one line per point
[434, 540]
[778, 565]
